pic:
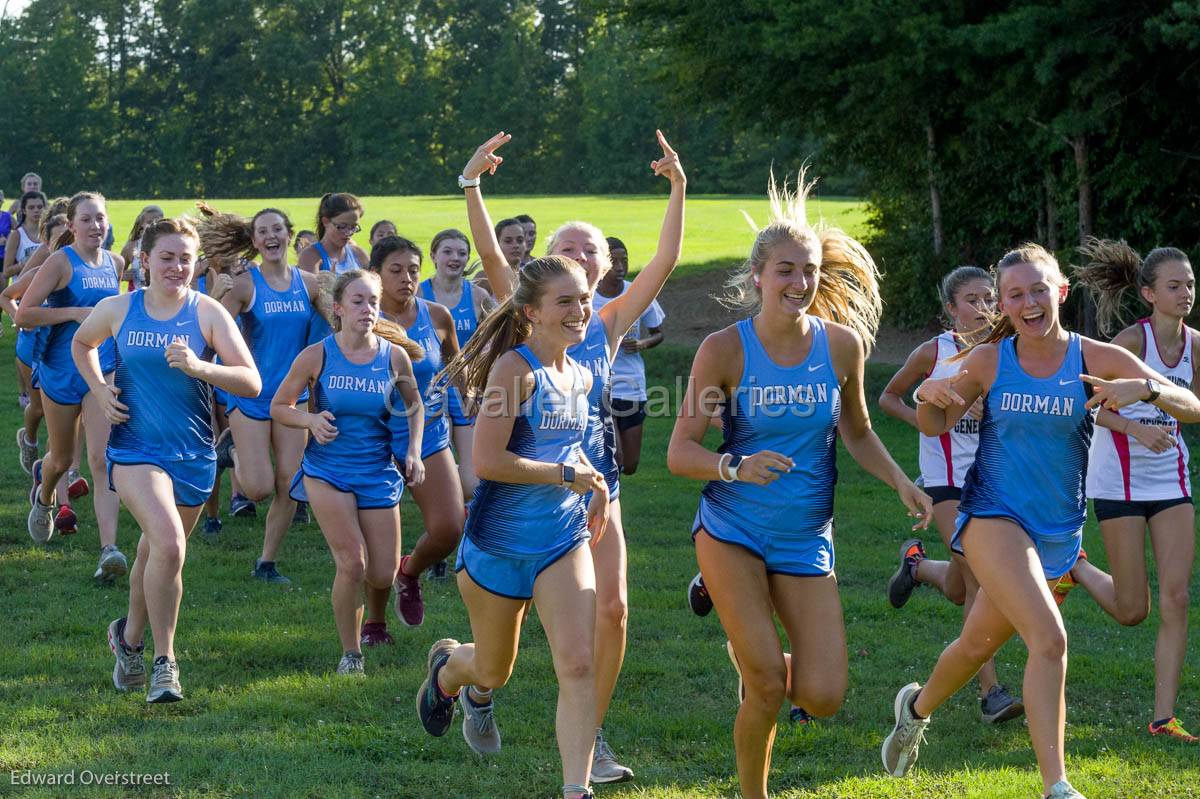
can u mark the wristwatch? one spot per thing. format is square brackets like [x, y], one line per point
[734, 463]
[463, 183]
[568, 475]
[1153, 389]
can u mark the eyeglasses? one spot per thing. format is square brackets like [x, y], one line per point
[344, 228]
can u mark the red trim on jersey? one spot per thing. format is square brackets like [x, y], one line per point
[1121, 443]
[1183, 350]
[944, 438]
[1183, 486]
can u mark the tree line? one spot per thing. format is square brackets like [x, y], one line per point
[975, 124]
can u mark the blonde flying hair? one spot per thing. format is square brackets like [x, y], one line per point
[848, 286]
[505, 327]
[1113, 269]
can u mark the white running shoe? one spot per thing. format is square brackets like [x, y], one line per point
[605, 768]
[40, 523]
[112, 564]
[130, 669]
[479, 725]
[28, 450]
[164, 682]
[902, 747]
[1063, 790]
[351, 665]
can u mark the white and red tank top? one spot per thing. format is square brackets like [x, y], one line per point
[945, 459]
[1120, 468]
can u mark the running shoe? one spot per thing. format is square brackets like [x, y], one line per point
[605, 768]
[904, 580]
[164, 682]
[409, 605]
[439, 571]
[242, 507]
[698, 598]
[375, 633]
[351, 665]
[1172, 728]
[479, 726]
[301, 514]
[36, 472]
[799, 716]
[77, 486]
[902, 747]
[265, 570]
[435, 709]
[23, 400]
[111, 566]
[1064, 790]
[1067, 582]
[40, 523]
[212, 528]
[28, 450]
[224, 448]
[65, 521]
[999, 706]
[741, 686]
[130, 669]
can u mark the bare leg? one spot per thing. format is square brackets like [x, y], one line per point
[1174, 540]
[1126, 594]
[612, 610]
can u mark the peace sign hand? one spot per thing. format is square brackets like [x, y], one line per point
[940, 391]
[485, 158]
[1114, 394]
[669, 164]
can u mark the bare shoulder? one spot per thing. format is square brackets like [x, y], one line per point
[1132, 338]
[844, 342]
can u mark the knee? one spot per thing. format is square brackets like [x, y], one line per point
[351, 566]
[576, 665]
[97, 461]
[56, 461]
[822, 697]
[256, 486]
[1173, 600]
[978, 649]
[956, 593]
[1131, 614]
[1049, 644]
[612, 612]
[765, 685]
[379, 576]
[492, 676]
[822, 705]
[630, 463]
[169, 552]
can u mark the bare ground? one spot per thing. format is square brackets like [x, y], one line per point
[692, 314]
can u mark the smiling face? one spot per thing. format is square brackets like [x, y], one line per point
[1030, 294]
[586, 248]
[1174, 289]
[358, 307]
[270, 237]
[90, 223]
[450, 257]
[171, 262]
[512, 244]
[973, 301]
[788, 280]
[400, 274]
[563, 310]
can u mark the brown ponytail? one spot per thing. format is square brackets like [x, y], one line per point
[1113, 268]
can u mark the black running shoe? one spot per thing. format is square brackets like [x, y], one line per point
[242, 507]
[903, 583]
[224, 449]
[436, 711]
[799, 716]
[698, 598]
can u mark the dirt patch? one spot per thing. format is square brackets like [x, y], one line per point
[692, 314]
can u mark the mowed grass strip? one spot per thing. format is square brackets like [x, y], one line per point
[264, 715]
[716, 233]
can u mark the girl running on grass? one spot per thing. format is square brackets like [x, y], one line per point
[1020, 522]
[628, 370]
[347, 475]
[450, 251]
[397, 262]
[25, 238]
[790, 380]
[1138, 468]
[967, 298]
[273, 303]
[62, 294]
[585, 244]
[160, 454]
[337, 222]
[131, 252]
[529, 520]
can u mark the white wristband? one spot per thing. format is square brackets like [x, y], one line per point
[721, 468]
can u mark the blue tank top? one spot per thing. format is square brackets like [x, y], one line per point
[169, 412]
[87, 287]
[347, 263]
[1031, 465]
[528, 521]
[792, 410]
[423, 332]
[276, 328]
[593, 354]
[361, 398]
[465, 321]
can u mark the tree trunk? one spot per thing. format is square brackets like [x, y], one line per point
[935, 197]
[1051, 209]
[1084, 183]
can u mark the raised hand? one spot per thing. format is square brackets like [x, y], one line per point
[485, 158]
[669, 165]
[940, 391]
[1115, 394]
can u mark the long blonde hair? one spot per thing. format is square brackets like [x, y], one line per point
[1113, 269]
[848, 288]
[506, 326]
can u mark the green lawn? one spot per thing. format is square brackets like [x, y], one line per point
[265, 717]
[715, 232]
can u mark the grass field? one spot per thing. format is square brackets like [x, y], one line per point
[265, 717]
[716, 232]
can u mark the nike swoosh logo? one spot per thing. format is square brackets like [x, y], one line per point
[376, 368]
[1066, 382]
[815, 368]
[181, 324]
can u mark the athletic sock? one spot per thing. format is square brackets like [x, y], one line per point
[1161, 722]
[481, 697]
[912, 706]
